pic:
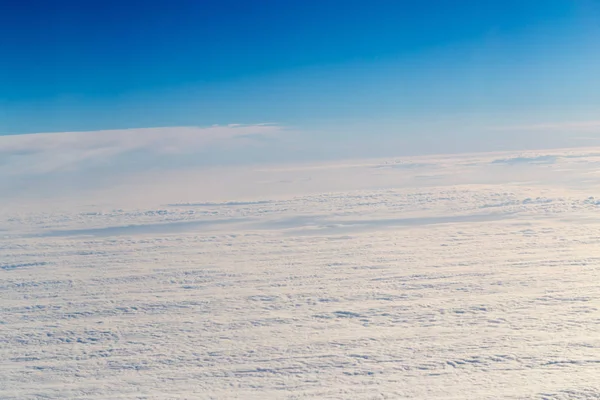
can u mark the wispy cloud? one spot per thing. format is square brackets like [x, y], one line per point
[49, 152]
[573, 126]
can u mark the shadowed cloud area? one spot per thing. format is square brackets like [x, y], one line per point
[301, 225]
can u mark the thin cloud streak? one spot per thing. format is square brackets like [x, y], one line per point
[48, 152]
[576, 126]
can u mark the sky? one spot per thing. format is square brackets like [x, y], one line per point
[310, 79]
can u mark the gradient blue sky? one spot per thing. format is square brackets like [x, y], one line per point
[337, 71]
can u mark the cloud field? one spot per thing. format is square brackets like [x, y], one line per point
[449, 277]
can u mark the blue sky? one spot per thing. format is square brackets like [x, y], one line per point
[345, 76]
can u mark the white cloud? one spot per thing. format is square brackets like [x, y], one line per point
[459, 288]
[49, 152]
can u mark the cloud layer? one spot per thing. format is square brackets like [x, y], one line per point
[425, 278]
